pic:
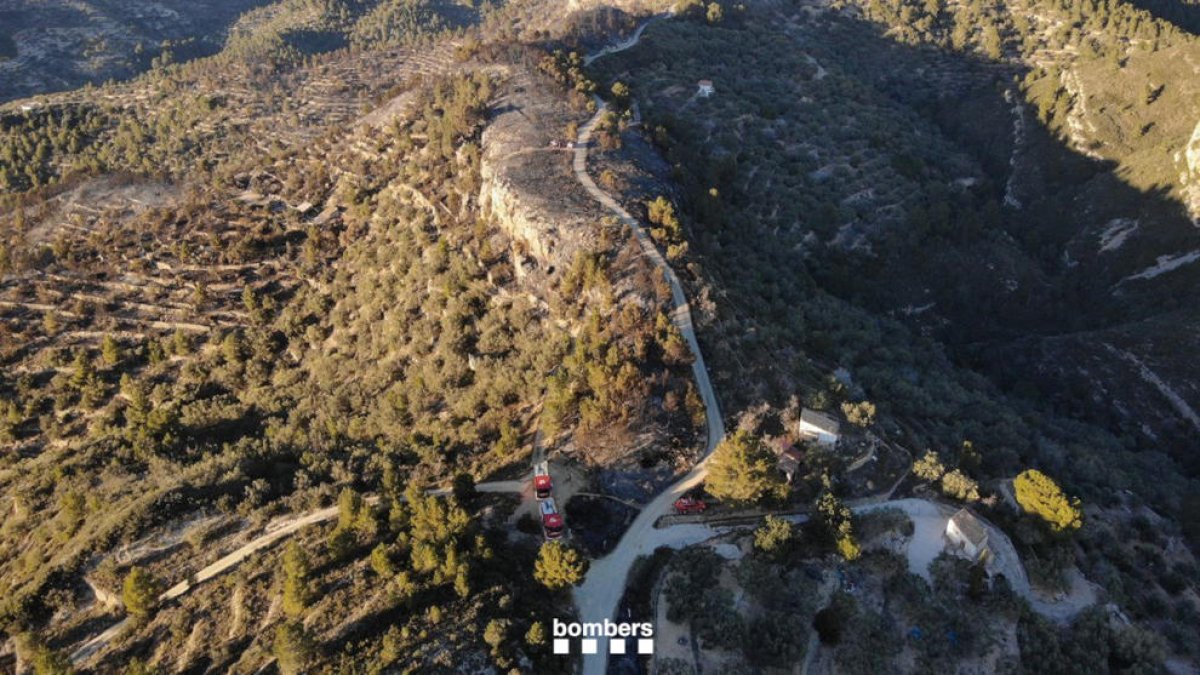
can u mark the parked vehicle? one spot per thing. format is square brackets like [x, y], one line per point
[685, 505]
[542, 485]
[552, 520]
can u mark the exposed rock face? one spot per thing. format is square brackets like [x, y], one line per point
[1190, 176]
[510, 207]
[527, 185]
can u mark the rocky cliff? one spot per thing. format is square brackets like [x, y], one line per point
[528, 187]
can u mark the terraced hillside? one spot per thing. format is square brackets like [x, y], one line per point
[238, 289]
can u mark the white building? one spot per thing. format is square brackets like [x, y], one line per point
[704, 88]
[966, 534]
[819, 427]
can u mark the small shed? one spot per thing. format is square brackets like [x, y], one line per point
[790, 461]
[820, 427]
[704, 88]
[966, 534]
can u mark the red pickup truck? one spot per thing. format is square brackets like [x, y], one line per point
[686, 505]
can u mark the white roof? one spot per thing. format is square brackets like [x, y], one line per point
[970, 527]
[819, 420]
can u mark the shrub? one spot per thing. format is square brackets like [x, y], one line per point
[774, 536]
[1038, 494]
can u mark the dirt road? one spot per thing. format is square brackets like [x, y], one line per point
[274, 532]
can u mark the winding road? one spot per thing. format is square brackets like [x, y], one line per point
[597, 598]
[599, 594]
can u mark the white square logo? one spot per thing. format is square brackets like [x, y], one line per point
[646, 646]
[589, 646]
[616, 646]
[562, 646]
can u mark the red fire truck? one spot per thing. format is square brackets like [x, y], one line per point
[552, 520]
[541, 480]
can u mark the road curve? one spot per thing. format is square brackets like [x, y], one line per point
[599, 594]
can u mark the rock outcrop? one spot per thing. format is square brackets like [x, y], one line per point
[1189, 177]
[527, 185]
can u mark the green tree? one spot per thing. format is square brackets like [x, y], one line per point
[929, 467]
[1038, 494]
[742, 471]
[860, 414]
[536, 635]
[11, 419]
[464, 488]
[293, 647]
[82, 371]
[110, 351]
[959, 485]
[838, 523]
[382, 563]
[140, 592]
[992, 45]
[349, 504]
[715, 13]
[496, 633]
[559, 566]
[43, 659]
[774, 536]
[50, 323]
[828, 625]
[621, 94]
[296, 591]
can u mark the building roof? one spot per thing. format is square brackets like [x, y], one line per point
[789, 461]
[969, 526]
[819, 420]
[705, 83]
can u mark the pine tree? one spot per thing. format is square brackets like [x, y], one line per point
[293, 647]
[296, 592]
[558, 566]
[140, 592]
[110, 351]
[742, 471]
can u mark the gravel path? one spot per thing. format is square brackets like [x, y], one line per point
[275, 531]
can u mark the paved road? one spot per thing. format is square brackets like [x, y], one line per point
[597, 598]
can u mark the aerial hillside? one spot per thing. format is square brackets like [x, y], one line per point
[884, 182]
[259, 287]
[380, 335]
[55, 46]
[876, 215]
